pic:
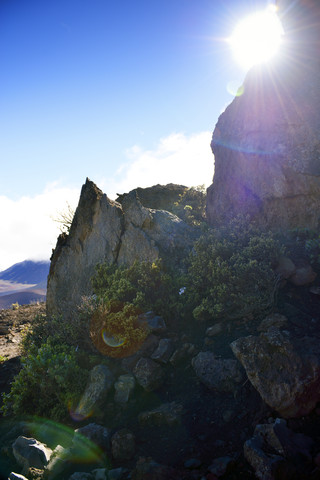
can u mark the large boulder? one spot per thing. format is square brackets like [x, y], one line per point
[285, 370]
[267, 142]
[106, 231]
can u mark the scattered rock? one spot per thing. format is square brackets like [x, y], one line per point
[123, 445]
[285, 268]
[16, 476]
[99, 384]
[149, 374]
[97, 434]
[304, 275]
[164, 351]
[183, 354]
[217, 374]
[273, 321]
[284, 370]
[81, 476]
[28, 452]
[275, 451]
[215, 330]
[156, 324]
[167, 414]
[124, 387]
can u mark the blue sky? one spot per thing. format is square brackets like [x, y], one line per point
[126, 93]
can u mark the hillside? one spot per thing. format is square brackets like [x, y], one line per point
[23, 283]
[27, 272]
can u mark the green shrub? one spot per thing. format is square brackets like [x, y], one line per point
[191, 206]
[74, 332]
[230, 273]
[49, 383]
[145, 285]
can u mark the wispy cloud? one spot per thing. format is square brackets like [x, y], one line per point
[27, 225]
[186, 160]
[28, 229]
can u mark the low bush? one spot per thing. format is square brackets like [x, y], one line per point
[230, 273]
[49, 384]
[145, 285]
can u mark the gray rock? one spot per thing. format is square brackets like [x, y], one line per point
[214, 330]
[149, 374]
[155, 323]
[164, 351]
[304, 275]
[28, 452]
[97, 434]
[285, 268]
[183, 354]
[217, 374]
[99, 384]
[16, 476]
[117, 474]
[81, 476]
[284, 370]
[100, 474]
[59, 460]
[146, 349]
[264, 464]
[274, 320]
[124, 387]
[123, 445]
[167, 414]
[274, 448]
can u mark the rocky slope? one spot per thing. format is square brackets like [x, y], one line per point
[117, 233]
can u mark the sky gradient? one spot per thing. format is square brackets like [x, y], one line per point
[125, 93]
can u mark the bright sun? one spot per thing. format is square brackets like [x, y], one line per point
[256, 38]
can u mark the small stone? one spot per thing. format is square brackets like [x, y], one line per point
[16, 476]
[124, 387]
[81, 476]
[97, 434]
[164, 351]
[167, 414]
[155, 323]
[285, 268]
[149, 374]
[214, 330]
[123, 445]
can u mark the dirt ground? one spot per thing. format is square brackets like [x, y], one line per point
[12, 324]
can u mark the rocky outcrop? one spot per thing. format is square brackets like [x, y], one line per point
[267, 142]
[158, 197]
[106, 231]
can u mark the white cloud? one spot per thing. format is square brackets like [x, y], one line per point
[181, 159]
[28, 228]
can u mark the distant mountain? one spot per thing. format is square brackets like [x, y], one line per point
[22, 298]
[27, 272]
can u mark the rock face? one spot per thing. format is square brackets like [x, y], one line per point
[284, 370]
[267, 142]
[106, 231]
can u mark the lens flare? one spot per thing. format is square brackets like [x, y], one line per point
[256, 38]
[111, 340]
